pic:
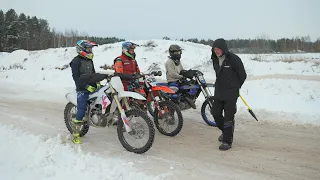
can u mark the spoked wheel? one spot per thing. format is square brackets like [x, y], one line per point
[141, 138]
[206, 112]
[70, 112]
[168, 120]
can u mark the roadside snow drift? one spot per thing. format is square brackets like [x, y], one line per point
[26, 156]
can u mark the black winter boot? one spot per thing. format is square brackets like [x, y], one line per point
[225, 146]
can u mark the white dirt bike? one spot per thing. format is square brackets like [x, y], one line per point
[104, 105]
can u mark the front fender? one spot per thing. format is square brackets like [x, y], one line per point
[134, 95]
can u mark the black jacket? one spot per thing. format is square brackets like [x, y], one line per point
[80, 66]
[231, 76]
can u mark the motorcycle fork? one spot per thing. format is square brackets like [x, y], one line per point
[206, 92]
[156, 103]
[121, 110]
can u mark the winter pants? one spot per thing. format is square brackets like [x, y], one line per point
[225, 123]
[82, 98]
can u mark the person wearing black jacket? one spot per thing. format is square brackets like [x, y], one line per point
[230, 76]
[80, 65]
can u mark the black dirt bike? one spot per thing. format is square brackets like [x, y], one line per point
[188, 90]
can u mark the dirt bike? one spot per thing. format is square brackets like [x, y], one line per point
[104, 104]
[187, 92]
[163, 110]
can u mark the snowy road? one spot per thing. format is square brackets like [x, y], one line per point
[261, 150]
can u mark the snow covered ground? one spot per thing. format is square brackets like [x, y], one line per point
[282, 90]
[26, 156]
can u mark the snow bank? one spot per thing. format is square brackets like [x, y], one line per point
[45, 64]
[26, 156]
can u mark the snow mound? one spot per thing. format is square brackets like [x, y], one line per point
[26, 156]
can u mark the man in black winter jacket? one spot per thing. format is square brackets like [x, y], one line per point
[230, 76]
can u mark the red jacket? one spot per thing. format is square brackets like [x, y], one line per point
[126, 65]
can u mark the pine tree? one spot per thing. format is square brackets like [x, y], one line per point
[2, 31]
[44, 34]
[33, 29]
[12, 30]
[23, 31]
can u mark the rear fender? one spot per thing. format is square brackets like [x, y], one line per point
[72, 97]
[162, 88]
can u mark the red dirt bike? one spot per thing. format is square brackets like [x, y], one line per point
[167, 115]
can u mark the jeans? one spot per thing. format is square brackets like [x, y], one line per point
[82, 98]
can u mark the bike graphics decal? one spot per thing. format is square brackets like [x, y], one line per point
[105, 103]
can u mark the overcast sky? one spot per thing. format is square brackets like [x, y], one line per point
[146, 19]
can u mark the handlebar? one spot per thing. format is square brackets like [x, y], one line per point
[97, 77]
[137, 76]
[190, 73]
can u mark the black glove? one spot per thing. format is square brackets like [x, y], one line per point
[136, 76]
[182, 72]
[124, 76]
[93, 78]
[188, 74]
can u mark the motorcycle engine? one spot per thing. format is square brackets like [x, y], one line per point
[96, 115]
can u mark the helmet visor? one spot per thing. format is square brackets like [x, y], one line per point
[177, 52]
[132, 46]
[88, 49]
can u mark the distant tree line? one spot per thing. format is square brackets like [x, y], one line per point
[32, 33]
[265, 45]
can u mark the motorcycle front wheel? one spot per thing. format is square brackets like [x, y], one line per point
[169, 119]
[141, 138]
[206, 112]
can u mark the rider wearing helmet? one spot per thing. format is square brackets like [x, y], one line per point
[173, 65]
[82, 64]
[126, 63]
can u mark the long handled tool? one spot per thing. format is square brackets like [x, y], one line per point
[249, 109]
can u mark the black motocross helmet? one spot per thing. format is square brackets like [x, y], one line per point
[175, 52]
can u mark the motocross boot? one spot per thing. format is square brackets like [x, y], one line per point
[76, 135]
